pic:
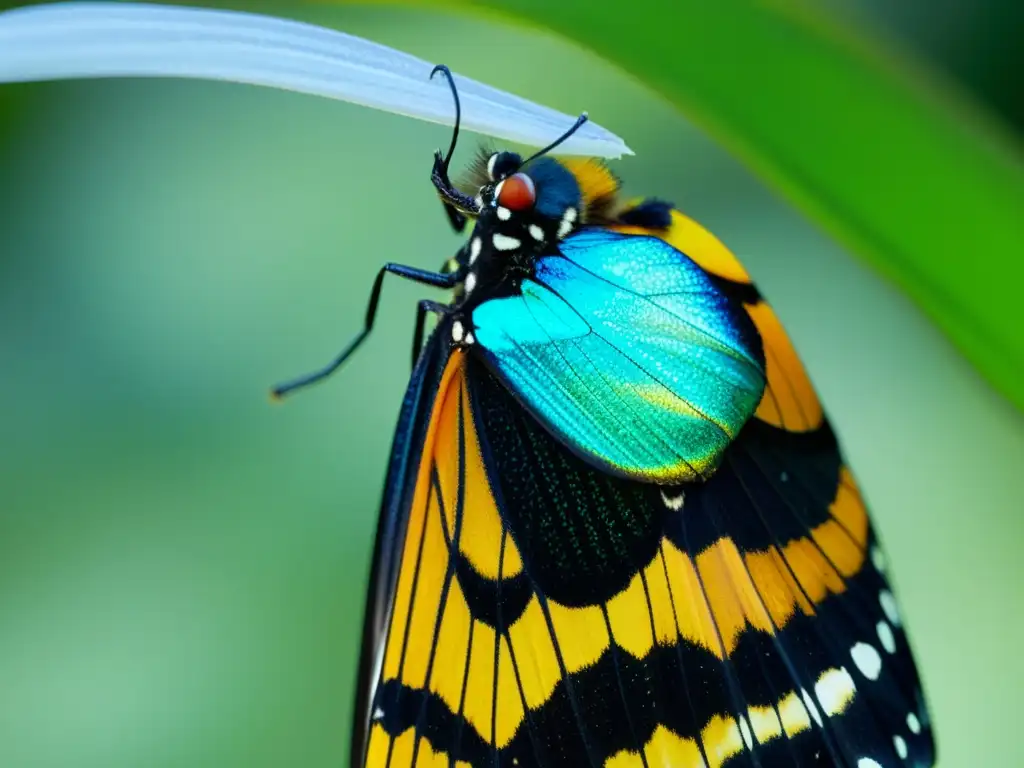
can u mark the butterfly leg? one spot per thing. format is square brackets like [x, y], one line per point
[425, 306]
[456, 204]
[423, 276]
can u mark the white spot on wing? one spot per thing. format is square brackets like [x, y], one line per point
[867, 660]
[490, 165]
[536, 233]
[811, 707]
[888, 603]
[835, 689]
[474, 249]
[457, 331]
[504, 213]
[505, 243]
[886, 638]
[469, 338]
[913, 723]
[867, 762]
[878, 558]
[378, 665]
[675, 503]
[901, 746]
[748, 737]
[378, 714]
[470, 283]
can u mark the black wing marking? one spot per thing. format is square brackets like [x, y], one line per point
[405, 450]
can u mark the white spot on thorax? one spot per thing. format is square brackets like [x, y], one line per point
[457, 331]
[867, 660]
[901, 746]
[565, 225]
[675, 503]
[913, 723]
[888, 603]
[835, 689]
[748, 737]
[885, 637]
[878, 558]
[810, 706]
[505, 243]
[536, 233]
[504, 213]
[470, 283]
[474, 249]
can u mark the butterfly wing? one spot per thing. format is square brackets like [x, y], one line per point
[626, 350]
[545, 612]
[446, 687]
[399, 487]
[789, 400]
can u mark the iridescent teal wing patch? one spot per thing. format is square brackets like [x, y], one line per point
[629, 354]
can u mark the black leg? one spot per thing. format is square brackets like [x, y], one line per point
[410, 273]
[454, 201]
[425, 305]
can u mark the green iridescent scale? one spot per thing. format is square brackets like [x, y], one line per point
[629, 354]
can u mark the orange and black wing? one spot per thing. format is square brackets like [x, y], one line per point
[533, 611]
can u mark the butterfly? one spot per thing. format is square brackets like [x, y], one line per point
[617, 528]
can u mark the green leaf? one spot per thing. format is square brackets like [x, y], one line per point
[906, 174]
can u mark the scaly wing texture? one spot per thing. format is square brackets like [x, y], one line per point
[548, 613]
[789, 399]
[629, 353]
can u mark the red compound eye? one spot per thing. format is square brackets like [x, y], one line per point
[517, 192]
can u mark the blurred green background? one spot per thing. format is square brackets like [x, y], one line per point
[182, 565]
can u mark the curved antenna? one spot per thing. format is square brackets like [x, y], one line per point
[458, 110]
[576, 126]
[456, 204]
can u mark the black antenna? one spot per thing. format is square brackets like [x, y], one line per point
[456, 204]
[576, 126]
[458, 111]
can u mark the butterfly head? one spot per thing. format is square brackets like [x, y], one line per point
[521, 208]
[533, 205]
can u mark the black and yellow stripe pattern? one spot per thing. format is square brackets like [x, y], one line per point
[541, 613]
